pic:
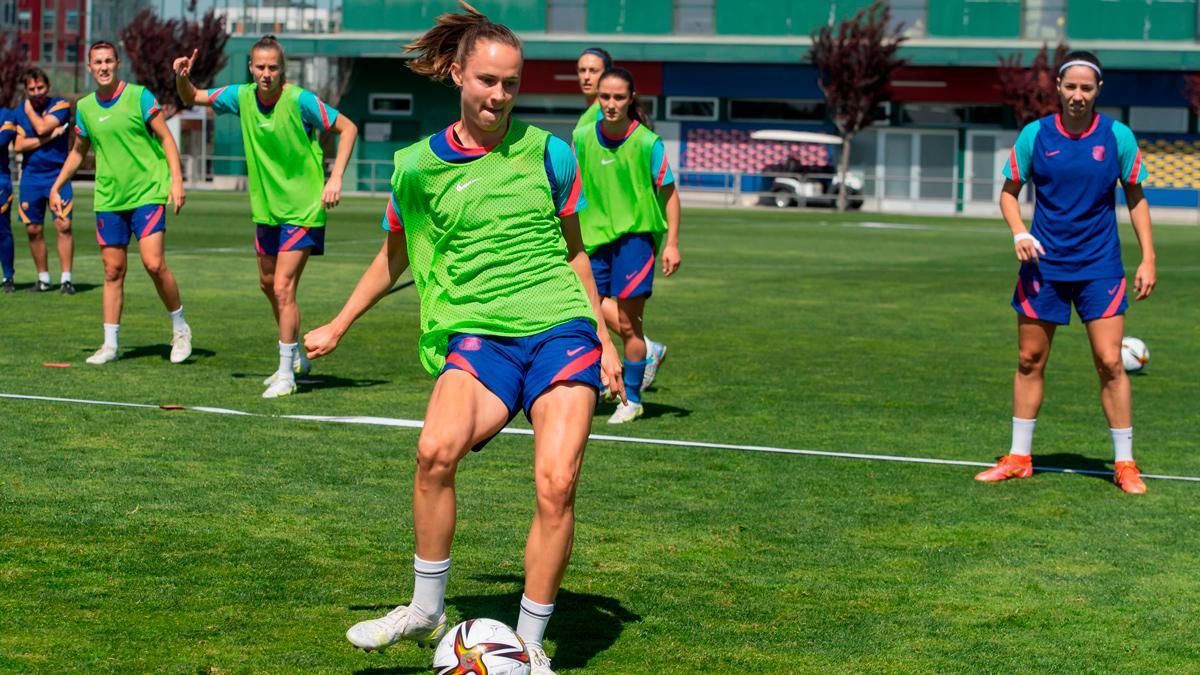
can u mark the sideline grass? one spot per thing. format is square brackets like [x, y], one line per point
[169, 541]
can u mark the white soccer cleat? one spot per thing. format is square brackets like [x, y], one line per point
[282, 386]
[655, 353]
[626, 412]
[300, 365]
[106, 354]
[181, 345]
[399, 624]
[539, 663]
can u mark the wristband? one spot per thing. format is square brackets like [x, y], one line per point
[1018, 238]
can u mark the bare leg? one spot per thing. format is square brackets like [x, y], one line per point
[608, 307]
[115, 264]
[1034, 339]
[37, 246]
[66, 243]
[562, 418]
[151, 251]
[461, 413]
[630, 311]
[1116, 395]
[289, 265]
[266, 282]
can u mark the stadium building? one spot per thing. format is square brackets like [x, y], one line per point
[714, 70]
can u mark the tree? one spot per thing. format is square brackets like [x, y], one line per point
[1191, 90]
[1031, 93]
[153, 43]
[13, 63]
[856, 61]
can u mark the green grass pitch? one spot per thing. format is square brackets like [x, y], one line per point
[175, 541]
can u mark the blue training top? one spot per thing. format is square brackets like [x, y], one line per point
[1075, 175]
[43, 163]
[8, 132]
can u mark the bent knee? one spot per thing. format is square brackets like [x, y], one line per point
[1110, 366]
[556, 493]
[438, 454]
[1030, 363]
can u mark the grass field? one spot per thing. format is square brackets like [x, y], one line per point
[179, 541]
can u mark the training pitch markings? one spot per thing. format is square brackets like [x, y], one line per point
[417, 424]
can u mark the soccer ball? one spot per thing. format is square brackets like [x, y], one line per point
[481, 646]
[1134, 354]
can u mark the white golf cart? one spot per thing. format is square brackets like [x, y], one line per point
[808, 185]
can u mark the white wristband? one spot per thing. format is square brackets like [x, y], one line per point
[1018, 238]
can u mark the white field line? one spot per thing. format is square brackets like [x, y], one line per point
[417, 424]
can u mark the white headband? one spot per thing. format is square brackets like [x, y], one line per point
[1088, 64]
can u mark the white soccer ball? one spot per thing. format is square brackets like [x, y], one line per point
[1134, 354]
[481, 646]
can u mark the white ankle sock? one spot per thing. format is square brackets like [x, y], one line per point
[66, 278]
[287, 353]
[177, 321]
[429, 586]
[110, 334]
[531, 624]
[1022, 437]
[44, 277]
[1122, 444]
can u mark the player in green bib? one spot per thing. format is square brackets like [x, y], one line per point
[137, 175]
[281, 128]
[589, 67]
[634, 206]
[484, 214]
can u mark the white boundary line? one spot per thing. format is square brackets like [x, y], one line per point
[417, 424]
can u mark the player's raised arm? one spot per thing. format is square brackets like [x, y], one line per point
[74, 160]
[380, 277]
[188, 91]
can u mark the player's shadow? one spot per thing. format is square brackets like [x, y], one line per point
[163, 352]
[650, 410]
[312, 382]
[393, 670]
[1070, 460]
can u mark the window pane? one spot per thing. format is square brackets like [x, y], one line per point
[1045, 19]
[912, 14]
[566, 16]
[1166, 120]
[783, 110]
[694, 17]
[692, 108]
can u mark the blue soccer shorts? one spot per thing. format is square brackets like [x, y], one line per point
[1051, 301]
[271, 240]
[625, 268]
[520, 369]
[116, 228]
[35, 201]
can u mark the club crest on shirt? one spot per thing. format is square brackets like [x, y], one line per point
[470, 344]
[1098, 153]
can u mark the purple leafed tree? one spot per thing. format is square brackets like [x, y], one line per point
[1191, 90]
[13, 62]
[1031, 92]
[856, 60]
[152, 44]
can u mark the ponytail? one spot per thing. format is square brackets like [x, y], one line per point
[453, 39]
[636, 112]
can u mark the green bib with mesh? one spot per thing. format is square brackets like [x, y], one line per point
[589, 116]
[131, 168]
[620, 188]
[283, 161]
[485, 244]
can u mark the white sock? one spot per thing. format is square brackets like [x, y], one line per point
[531, 624]
[287, 353]
[66, 278]
[1123, 444]
[44, 277]
[177, 321]
[110, 334]
[429, 586]
[1022, 437]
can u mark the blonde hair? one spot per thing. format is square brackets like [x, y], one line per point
[453, 39]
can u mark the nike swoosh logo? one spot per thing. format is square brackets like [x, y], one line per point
[630, 276]
[573, 352]
[606, 162]
[264, 124]
[1113, 290]
[1053, 153]
[463, 186]
[104, 117]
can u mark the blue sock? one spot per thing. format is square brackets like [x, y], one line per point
[634, 371]
[6, 249]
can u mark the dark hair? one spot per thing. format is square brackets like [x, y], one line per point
[35, 74]
[453, 40]
[268, 42]
[602, 53]
[636, 112]
[102, 44]
[1084, 56]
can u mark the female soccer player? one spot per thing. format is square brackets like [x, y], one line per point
[1072, 256]
[136, 177]
[593, 63]
[485, 213]
[288, 190]
[633, 203]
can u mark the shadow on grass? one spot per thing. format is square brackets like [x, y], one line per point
[651, 410]
[79, 288]
[312, 382]
[163, 352]
[394, 670]
[583, 624]
[1070, 460]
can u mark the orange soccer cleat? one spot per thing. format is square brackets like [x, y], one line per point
[1129, 478]
[1009, 466]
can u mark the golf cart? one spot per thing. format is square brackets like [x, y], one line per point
[808, 184]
